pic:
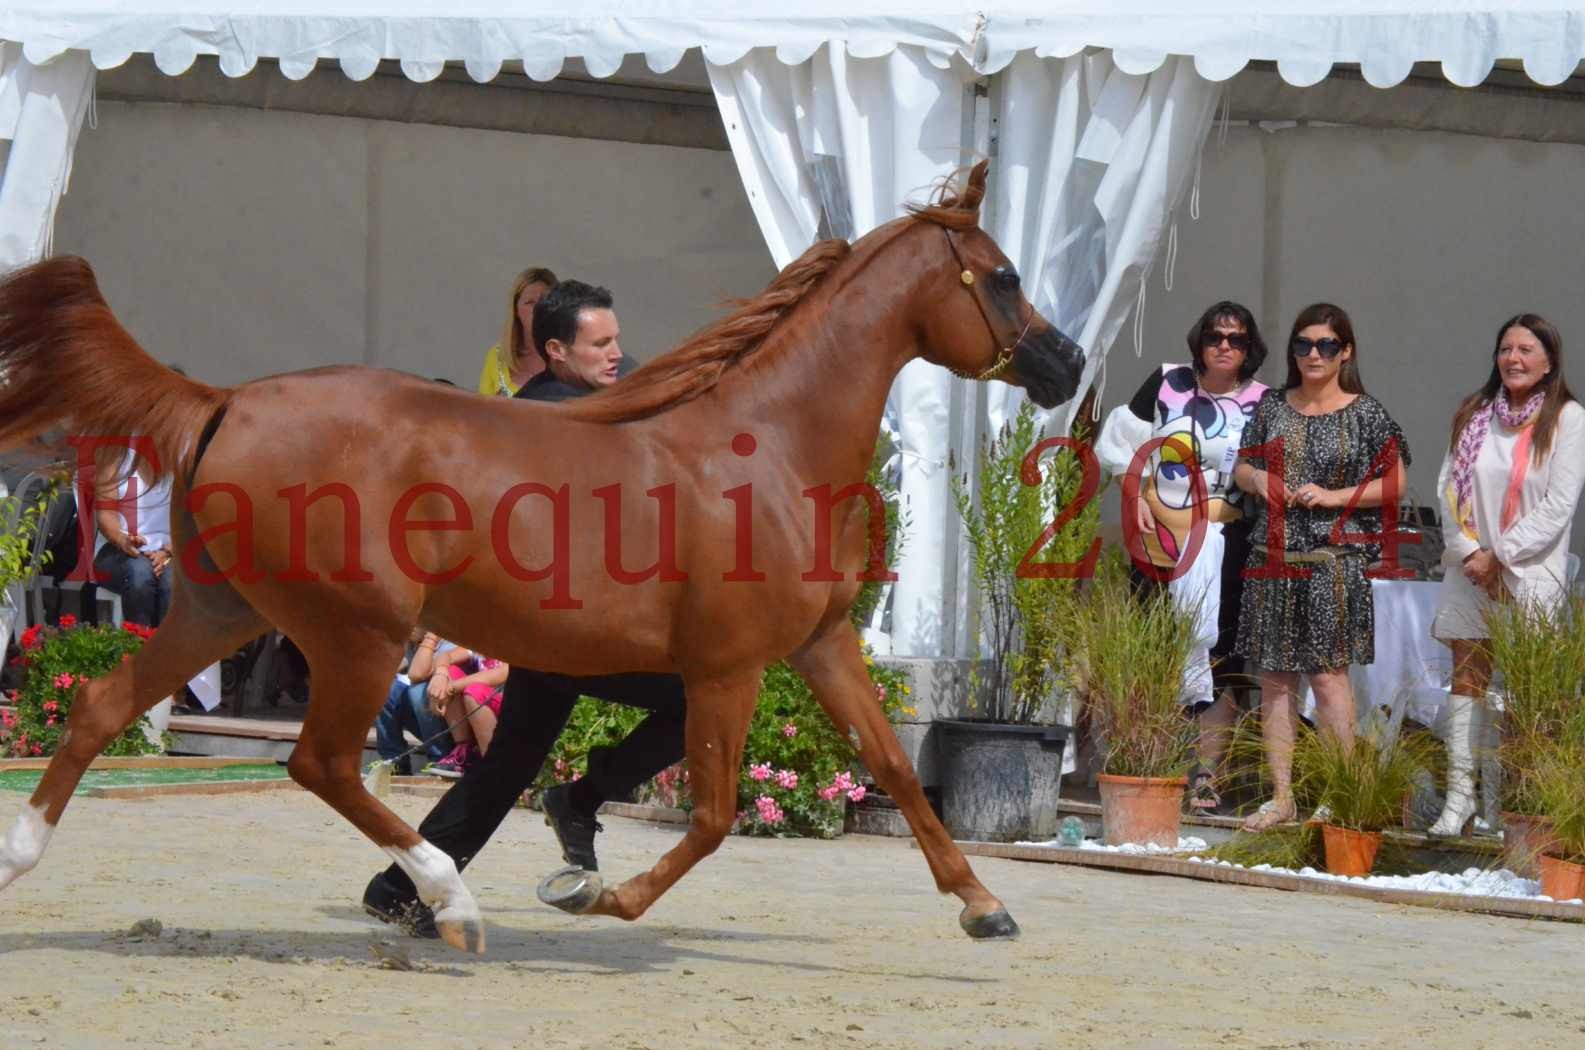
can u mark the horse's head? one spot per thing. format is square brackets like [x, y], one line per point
[981, 326]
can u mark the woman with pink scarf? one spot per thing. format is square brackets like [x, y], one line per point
[1509, 485]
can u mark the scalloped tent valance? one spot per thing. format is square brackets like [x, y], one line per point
[1305, 38]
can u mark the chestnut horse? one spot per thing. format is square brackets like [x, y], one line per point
[676, 522]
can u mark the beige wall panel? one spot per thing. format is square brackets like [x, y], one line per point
[229, 240]
[242, 242]
[460, 211]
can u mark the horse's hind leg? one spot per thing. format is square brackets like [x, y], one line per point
[719, 710]
[192, 637]
[351, 675]
[833, 666]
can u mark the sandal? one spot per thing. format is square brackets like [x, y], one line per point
[1203, 798]
[1269, 816]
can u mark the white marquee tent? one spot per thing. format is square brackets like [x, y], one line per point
[1096, 114]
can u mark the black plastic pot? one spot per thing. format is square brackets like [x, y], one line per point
[999, 782]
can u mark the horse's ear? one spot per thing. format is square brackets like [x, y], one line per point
[977, 177]
[974, 193]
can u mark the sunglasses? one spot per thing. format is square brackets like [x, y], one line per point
[1330, 348]
[1236, 340]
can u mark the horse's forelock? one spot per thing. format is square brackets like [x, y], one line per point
[955, 201]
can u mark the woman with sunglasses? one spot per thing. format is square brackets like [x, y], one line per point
[1198, 411]
[1510, 483]
[1321, 458]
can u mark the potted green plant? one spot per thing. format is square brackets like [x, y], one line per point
[1359, 787]
[19, 526]
[1126, 657]
[1539, 653]
[1560, 790]
[1001, 766]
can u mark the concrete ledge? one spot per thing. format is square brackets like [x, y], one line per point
[1158, 865]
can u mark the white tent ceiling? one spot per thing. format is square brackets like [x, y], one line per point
[1305, 38]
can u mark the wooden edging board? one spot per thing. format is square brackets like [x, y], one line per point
[1273, 880]
[133, 792]
[142, 762]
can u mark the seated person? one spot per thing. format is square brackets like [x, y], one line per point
[464, 692]
[407, 708]
[133, 557]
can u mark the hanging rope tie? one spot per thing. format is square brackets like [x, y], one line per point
[1226, 117]
[1139, 319]
[1172, 253]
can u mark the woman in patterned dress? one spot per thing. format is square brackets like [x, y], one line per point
[1322, 457]
[1199, 412]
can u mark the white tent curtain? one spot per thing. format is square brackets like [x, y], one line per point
[41, 112]
[1093, 162]
[835, 146]
[1090, 163]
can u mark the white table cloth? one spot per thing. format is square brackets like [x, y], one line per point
[1412, 669]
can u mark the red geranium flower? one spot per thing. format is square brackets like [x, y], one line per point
[30, 637]
[68, 620]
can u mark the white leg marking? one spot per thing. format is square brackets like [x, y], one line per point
[439, 884]
[24, 845]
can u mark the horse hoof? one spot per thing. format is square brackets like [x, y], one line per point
[992, 926]
[465, 935]
[572, 889]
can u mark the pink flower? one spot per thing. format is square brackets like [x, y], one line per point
[760, 771]
[843, 781]
[828, 793]
[38, 749]
[857, 794]
[7, 719]
[880, 692]
[769, 811]
[50, 705]
[63, 680]
[786, 779]
[789, 730]
[50, 720]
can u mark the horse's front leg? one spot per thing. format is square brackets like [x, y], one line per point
[719, 710]
[352, 676]
[833, 666]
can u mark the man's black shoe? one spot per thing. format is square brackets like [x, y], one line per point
[574, 830]
[409, 914]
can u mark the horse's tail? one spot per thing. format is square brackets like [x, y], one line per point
[67, 365]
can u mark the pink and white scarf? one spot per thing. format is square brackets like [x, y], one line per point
[1468, 450]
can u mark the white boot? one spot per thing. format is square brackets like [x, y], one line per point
[1488, 738]
[1460, 804]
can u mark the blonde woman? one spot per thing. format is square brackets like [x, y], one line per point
[514, 361]
[1510, 485]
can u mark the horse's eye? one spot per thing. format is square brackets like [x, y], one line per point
[1005, 279]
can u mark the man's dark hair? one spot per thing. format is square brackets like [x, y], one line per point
[556, 315]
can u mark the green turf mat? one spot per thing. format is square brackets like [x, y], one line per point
[26, 780]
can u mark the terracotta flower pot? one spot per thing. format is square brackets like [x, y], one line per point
[1524, 839]
[1142, 810]
[1562, 880]
[1350, 852]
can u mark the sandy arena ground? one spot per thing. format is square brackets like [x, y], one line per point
[767, 944]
